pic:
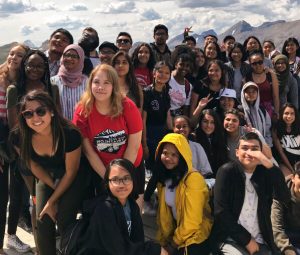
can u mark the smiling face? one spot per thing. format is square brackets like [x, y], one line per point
[169, 156]
[227, 103]
[252, 44]
[247, 161]
[257, 64]
[211, 51]
[208, 124]
[182, 67]
[231, 123]
[144, 55]
[58, 42]
[121, 66]
[291, 48]
[280, 65]
[288, 116]
[14, 57]
[35, 68]
[251, 94]
[124, 43]
[214, 72]
[101, 87]
[120, 183]
[236, 55]
[71, 60]
[40, 122]
[267, 48]
[162, 75]
[181, 126]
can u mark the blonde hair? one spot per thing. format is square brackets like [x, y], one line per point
[4, 68]
[87, 100]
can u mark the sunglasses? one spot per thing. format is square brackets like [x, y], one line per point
[125, 41]
[260, 62]
[40, 111]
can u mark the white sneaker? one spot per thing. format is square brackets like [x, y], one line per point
[149, 209]
[13, 242]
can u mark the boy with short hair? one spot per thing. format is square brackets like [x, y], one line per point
[243, 198]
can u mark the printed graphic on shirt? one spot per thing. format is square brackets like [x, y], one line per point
[129, 226]
[155, 105]
[291, 144]
[110, 141]
[142, 80]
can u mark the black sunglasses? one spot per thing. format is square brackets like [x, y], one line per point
[260, 62]
[125, 41]
[40, 111]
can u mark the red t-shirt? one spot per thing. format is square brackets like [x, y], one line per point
[143, 76]
[109, 136]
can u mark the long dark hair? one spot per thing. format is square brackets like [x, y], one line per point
[289, 40]
[246, 42]
[21, 82]
[175, 175]
[220, 63]
[58, 123]
[239, 46]
[281, 125]
[129, 167]
[218, 49]
[135, 59]
[130, 77]
[216, 140]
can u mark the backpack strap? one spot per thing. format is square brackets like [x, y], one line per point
[187, 87]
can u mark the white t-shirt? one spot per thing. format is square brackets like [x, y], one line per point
[178, 95]
[170, 195]
[248, 217]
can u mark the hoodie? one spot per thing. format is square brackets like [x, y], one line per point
[193, 214]
[256, 116]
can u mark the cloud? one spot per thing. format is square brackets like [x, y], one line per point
[67, 22]
[27, 30]
[48, 6]
[120, 7]
[205, 3]
[13, 6]
[150, 14]
[116, 24]
[77, 7]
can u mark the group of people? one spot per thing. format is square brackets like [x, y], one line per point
[218, 130]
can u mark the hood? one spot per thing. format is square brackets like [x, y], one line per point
[245, 105]
[182, 145]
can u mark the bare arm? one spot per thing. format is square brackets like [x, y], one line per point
[41, 174]
[134, 142]
[93, 157]
[194, 102]
[282, 155]
[169, 121]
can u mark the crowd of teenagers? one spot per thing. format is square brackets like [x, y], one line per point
[216, 129]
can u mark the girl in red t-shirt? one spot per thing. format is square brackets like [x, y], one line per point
[110, 123]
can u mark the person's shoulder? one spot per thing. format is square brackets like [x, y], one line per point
[194, 180]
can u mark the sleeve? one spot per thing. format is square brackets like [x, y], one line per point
[293, 91]
[73, 139]
[277, 216]
[205, 167]
[224, 217]
[193, 212]
[81, 121]
[281, 191]
[11, 96]
[132, 117]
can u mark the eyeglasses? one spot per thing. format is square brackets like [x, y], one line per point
[260, 62]
[123, 41]
[40, 111]
[117, 181]
[107, 52]
[73, 56]
[36, 67]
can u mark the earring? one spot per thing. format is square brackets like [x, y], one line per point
[52, 114]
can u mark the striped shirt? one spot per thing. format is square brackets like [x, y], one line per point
[69, 97]
[3, 112]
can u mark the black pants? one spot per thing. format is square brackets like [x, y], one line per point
[16, 187]
[151, 186]
[68, 206]
[3, 200]
[196, 249]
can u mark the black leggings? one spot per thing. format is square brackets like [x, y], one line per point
[3, 200]
[16, 187]
[68, 206]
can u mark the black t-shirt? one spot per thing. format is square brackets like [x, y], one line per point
[204, 91]
[56, 163]
[157, 105]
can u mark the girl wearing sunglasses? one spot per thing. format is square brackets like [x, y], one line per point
[267, 83]
[50, 146]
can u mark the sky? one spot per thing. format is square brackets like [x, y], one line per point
[34, 20]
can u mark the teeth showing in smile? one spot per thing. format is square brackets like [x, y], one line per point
[37, 123]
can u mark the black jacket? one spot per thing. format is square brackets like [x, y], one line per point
[229, 194]
[107, 233]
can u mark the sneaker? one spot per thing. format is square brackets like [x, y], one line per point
[149, 209]
[13, 242]
[24, 225]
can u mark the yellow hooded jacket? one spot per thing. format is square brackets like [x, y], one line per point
[194, 221]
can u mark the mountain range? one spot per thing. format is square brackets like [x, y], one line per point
[277, 31]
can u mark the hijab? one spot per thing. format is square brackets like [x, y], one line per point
[282, 76]
[72, 79]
